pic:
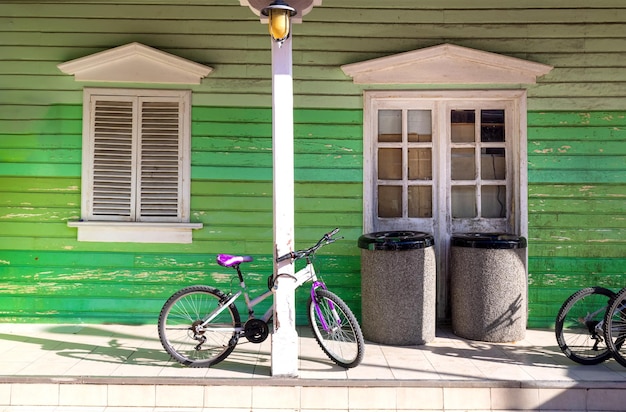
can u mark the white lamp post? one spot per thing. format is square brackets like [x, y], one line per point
[280, 16]
[285, 337]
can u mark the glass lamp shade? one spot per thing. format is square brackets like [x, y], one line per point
[279, 14]
[279, 24]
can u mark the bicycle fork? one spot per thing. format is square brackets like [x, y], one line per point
[318, 311]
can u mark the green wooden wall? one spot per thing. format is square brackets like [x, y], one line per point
[576, 136]
[576, 206]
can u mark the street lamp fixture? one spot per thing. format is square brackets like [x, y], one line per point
[279, 14]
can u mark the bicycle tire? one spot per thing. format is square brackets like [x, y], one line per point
[615, 327]
[186, 309]
[343, 343]
[576, 334]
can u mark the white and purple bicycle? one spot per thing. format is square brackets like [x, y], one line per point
[200, 326]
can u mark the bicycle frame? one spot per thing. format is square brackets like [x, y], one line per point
[302, 276]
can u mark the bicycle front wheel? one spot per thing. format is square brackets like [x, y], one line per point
[615, 327]
[336, 329]
[579, 326]
[182, 334]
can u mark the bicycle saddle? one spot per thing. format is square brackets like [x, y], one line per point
[230, 260]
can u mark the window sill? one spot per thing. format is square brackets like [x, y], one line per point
[134, 232]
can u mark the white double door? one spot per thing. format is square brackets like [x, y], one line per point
[443, 166]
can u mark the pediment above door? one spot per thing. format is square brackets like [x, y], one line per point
[446, 64]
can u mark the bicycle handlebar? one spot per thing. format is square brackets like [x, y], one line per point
[299, 254]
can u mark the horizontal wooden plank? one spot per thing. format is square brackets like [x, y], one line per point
[265, 174]
[576, 205]
[41, 214]
[57, 229]
[514, 16]
[38, 140]
[581, 235]
[235, 188]
[575, 220]
[576, 176]
[597, 163]
[587, 118]
[254, 219]
[606, 88]
[345, 160]
[264, 130]
[571, 148]
[576, 60]
[264, 189]
[264, 115]
[35, 155]
[61, 199]
[40, 184]
[578, 134]
[264, 204]
[577, 250]
[586, 74]
[600, 191]
[580, 266]
[596, 103]
[51, 112]
[37, 259]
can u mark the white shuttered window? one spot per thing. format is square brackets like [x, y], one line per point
[136, 156]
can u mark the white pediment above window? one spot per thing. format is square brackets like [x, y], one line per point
[135, 63]
[446, 64]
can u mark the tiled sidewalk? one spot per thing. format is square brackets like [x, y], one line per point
[118, 367]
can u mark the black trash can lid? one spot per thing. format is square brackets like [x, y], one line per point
[396, 240]
[489, 240]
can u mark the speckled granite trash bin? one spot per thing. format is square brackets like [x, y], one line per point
[488, 286]
[398, 275]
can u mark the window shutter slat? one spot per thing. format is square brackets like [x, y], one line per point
[112, 164]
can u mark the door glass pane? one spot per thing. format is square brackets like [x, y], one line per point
[419, 125]
[390, 164]
[420, 201]
[493, 201]
[463, 201]
[463, 164]
[390, 125]
[420, 164]
[492, 126]
[492, 163]
[462, 126]
[389, 201]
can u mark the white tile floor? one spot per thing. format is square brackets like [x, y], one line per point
[115, 368]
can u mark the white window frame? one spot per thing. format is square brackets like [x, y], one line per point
[134, 228]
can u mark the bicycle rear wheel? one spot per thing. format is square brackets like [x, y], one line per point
[615, 330]
[181, 334]
[578, 326]
[342, 341]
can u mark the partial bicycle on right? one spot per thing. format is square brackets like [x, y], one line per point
[591, 326]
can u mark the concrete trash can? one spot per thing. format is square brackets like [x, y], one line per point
[488, 286]
[398, 292]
